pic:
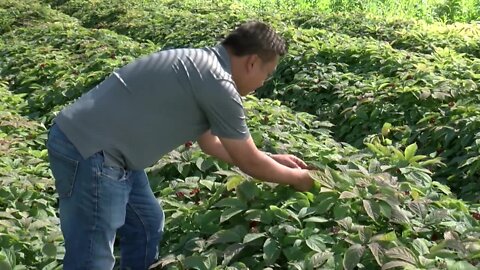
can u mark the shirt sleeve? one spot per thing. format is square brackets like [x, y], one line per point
[224, 110]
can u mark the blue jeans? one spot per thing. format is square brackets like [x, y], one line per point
[97, 201]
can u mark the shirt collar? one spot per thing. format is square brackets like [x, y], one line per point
[224, 57]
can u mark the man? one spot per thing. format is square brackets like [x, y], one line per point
[100, 145]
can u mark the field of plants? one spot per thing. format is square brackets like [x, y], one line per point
[386, 107]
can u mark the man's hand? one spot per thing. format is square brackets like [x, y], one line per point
[282, 169]
[304, 182]
[290, 161]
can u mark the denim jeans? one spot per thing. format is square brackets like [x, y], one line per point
[97, 201]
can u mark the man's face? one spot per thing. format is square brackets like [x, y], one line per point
[257, 72]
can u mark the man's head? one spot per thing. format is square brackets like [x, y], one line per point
[254, 50]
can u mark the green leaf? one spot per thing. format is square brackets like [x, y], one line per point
[237, 266]
[374, 149]
[420, 245]
[252, 237]
[385, 237]
[341, 210]
[231, 202]
[348, 195]
[229, 213]
[419, 208]
[386, 129]
[399, 216]
[247, 191]
[417, 158]
[340, 179]
[224, 236]
[346, 223]
[352, 256]
[364, 233]
[204, 165]
[385, 209]
[257, 137]
[470, 161]
[207, 183]
[316, 243]
[195, 262]
[324, 178]
[207, 217]
[294, 265]
[398, 154]
[443, 188]
[377, 252]
[4, 265]
[372, 209]
[410, 151]
[402, 253]
[433, 161]
[316, 220]
[231, 252]
[325, 201]
[211, 261]
[279, 212]
[462, 265]
[194, 244]
[233, 181]
[271, 251]
[394, 264]
[319, 259]
[50, 250]
[306, 211]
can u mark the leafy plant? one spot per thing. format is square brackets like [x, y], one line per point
[402, 93]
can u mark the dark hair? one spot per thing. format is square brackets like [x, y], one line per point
[256, 38]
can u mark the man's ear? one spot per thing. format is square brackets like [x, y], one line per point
[251, 61]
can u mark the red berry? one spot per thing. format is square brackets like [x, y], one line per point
[253, 223]
[434, 237]
[180, 195]
[335, 230]
[476, 216]
[188, 144]
[194, 192]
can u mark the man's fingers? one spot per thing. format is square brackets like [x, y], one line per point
[291, 161]
[299, 162]
[302, 164]
[293, 164]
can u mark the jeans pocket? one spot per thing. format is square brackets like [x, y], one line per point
[64, 171]
[113, 173]
[108, 171]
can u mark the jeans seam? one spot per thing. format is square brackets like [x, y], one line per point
[73, 177]
[95, 214]
[145, 231]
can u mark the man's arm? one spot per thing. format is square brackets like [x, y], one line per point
[245, 155]
[211, 145]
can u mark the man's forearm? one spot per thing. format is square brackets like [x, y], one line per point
[216, 149]
[267, 169]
